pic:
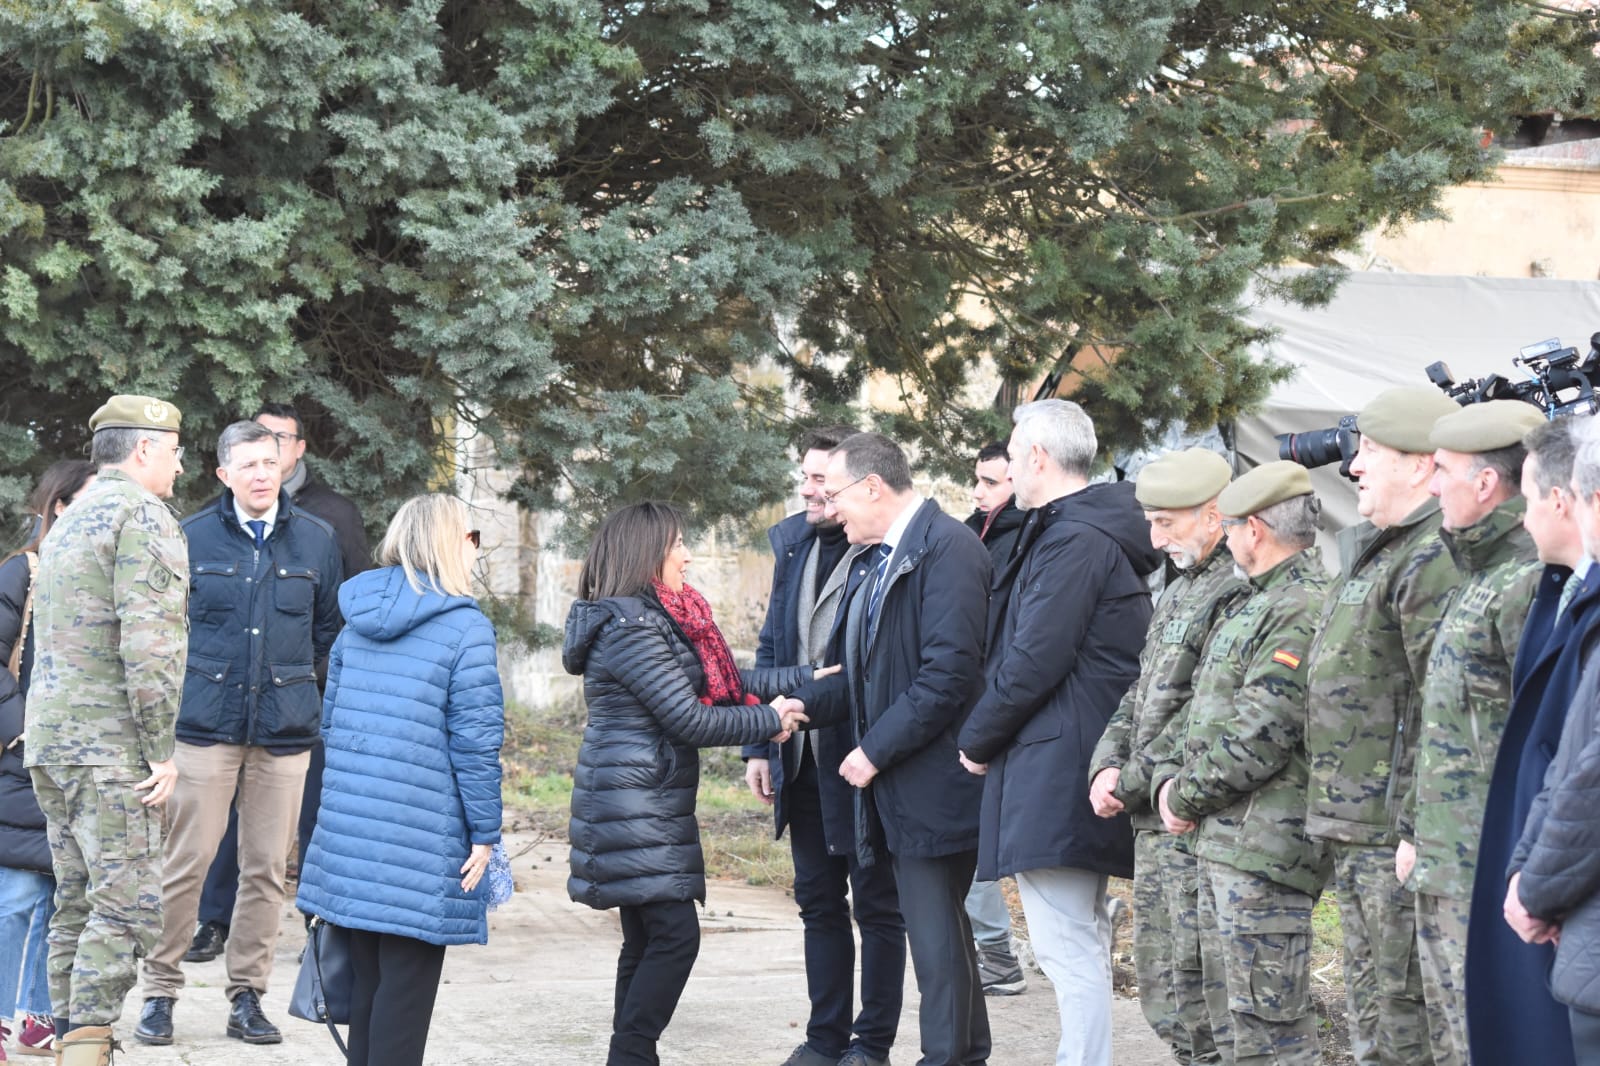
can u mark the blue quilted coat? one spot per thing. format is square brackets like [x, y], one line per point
[412, 722]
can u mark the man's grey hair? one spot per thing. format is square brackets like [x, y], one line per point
[241, 433]
[1062, 429]
[873, 453]
[1293, 521]
[1553, 446]
[116, 444]
[1586, 463]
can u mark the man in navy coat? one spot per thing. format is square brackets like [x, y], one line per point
[1511, 1016]
[911, 644]
[815, 570]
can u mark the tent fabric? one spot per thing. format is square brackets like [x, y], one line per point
[1381, 330]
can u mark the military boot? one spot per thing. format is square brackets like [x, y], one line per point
[89, 1046]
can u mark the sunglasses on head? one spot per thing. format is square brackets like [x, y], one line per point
[475, 536]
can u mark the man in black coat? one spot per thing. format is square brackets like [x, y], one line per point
[312, 496]
[814, 573]
[911, 643]
[1520, 1001]
[1067, 619]
[997, 521]
[1507, 979]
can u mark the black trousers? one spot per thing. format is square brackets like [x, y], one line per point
[953, 1018]
[222, 880]
[659, 944]
[820, 884]
[391, 1003]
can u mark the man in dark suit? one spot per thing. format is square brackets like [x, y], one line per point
[1506, 978]
[912, 649]
[816, 569]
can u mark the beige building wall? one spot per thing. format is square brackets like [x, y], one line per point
[1541, 219]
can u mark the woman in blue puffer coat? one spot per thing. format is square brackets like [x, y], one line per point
[412, 722]
[660, 683]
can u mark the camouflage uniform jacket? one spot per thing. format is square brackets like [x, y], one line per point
[1178, 630]
[110, 616]
[1366, 675]
[1466, 698]
[1244, 771]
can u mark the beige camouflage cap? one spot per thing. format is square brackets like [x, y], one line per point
[1484, 427]
[1179, 480]
[135, 412]
[1403, 418]
[1264, 486]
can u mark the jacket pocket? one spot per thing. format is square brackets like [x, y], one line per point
[295, 589]
[206, 694]
[214, 588]
[295, 709]
[1269, 965]
[1045, 725]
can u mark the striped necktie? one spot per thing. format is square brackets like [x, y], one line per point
[879, 584]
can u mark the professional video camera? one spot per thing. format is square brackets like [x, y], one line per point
[1560, 383]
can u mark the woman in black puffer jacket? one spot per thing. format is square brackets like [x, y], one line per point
[660, 684]
[26, 884]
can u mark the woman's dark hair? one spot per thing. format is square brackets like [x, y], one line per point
[61, 482]
[628, 550]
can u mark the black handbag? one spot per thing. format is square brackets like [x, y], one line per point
[323, 988]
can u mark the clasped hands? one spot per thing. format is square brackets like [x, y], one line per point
[857, 769]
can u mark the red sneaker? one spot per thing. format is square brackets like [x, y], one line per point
[5, 1034]
[38, 1036]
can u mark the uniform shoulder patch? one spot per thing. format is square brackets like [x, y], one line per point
[1174, 632]
[1286, 658]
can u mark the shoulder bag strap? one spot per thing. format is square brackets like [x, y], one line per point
[15, 665]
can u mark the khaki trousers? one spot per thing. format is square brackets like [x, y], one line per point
[268, 788]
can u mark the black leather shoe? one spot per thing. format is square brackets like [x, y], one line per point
[247, 1023]
[209, 938]
[155, 1021]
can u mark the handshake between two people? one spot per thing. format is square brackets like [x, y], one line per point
[792, 712]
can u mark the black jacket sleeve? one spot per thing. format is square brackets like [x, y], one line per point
[642, 661]
[13, 592]
[767, 682]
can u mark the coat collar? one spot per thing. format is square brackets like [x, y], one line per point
[1496, 538]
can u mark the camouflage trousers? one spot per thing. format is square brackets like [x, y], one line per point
[1166, 945]
[106, 849]
[1382, 971]
[1442, 945]
[1255, 951]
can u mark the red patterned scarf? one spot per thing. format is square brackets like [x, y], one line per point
[693, 615]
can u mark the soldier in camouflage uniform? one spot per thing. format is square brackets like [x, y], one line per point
[1365, 678]
[1466, 694]
[1240, 787]
[110, 618]
[1178, 492]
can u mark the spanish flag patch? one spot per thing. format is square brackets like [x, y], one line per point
[1286, 658]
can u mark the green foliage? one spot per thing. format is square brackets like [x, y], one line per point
[575, 227]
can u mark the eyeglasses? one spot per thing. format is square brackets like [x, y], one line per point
[1233, 523]
[829, 498]
[476, 536]
[285, 437]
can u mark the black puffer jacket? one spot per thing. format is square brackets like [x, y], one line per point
[633, 832]
[1559, 854]
[22, 840]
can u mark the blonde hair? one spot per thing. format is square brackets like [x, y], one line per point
[424, 539]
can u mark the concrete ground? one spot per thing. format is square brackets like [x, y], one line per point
[540, 993]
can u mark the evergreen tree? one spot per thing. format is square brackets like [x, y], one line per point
[575, 227]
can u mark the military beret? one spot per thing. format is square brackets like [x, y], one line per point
[1264, 486]
[1484, 427]
[1403, 418]
[135, 412]
[1177, 480]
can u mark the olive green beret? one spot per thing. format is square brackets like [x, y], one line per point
[1264, 486]
[135, 412]
[1177, 480]
[1484, 427]
[1403, 418]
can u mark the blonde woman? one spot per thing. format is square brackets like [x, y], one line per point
[412, 722]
